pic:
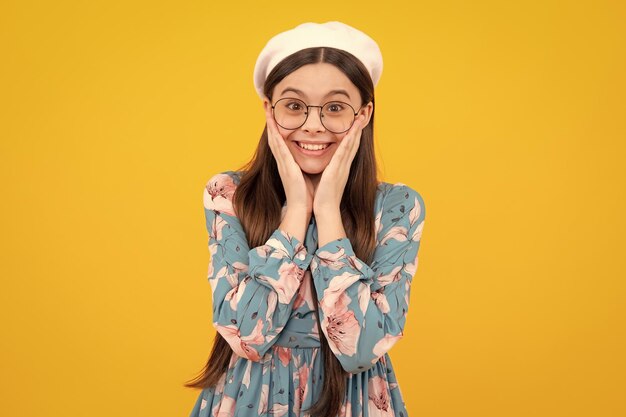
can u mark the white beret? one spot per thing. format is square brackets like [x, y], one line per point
[307, 35]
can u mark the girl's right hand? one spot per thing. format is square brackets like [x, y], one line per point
[298, 193]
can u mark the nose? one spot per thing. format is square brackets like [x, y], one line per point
[313, 121]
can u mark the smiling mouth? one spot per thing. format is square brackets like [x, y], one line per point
[311, 147]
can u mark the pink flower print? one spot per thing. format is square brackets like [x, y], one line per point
[305, 293]
[279, 410]
[411, 267]
[363, 295]
[278, 250]
[393, 276]
[203, 404]
[272, 301]
[289, 277]
[378, 398]
[234, 294]
[239, 344]
[264, 251]
[267, 362]
[212, 281]
[284, 355]
[383, 345]
[377, 223]
[337, 289]
[399, 233]
[256, 338]
[383, 361]
[415, 212]
[332, 260]
[355, 263]
[225, 407]
[407, 293]
[219, 193]
[380, 299]
[263, 399]
[300, 252]
[301, 391]
[245, 380]
[223, 272]
[216, 233]
[417, 234]
[213, 247]
[231, 334]
[346, 409]
[231, 297]
[342, 331]
[238, 268]
[303, 377]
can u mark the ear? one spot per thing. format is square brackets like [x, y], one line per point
[367, 112]
[266, 103]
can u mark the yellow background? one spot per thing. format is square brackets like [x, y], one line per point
[508, 118]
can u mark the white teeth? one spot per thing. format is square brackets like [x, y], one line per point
[312, 147]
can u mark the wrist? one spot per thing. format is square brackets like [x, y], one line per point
[327, 211]
[298, 211]
[295, 223]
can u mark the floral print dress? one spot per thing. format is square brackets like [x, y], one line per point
[270, 303]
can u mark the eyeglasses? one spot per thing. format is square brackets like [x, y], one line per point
[292, 113]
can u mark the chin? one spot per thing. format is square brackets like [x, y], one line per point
[312, 169]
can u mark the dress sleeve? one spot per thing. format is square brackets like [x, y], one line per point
[253, 289]
[363, 307]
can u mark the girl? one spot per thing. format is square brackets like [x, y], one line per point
[312, 257]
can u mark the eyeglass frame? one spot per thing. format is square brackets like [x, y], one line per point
[320, 113]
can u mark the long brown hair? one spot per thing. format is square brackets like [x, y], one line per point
[260, 196]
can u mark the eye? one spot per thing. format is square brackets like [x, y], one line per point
[335, 107]
[294, 105]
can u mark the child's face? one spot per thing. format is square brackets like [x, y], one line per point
[316, 81]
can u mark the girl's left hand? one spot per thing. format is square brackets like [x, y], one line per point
[335, 176]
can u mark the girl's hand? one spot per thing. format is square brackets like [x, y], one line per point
[311, 191]
[296, 190]
[335, 176]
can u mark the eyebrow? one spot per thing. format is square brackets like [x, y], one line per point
[332, 92]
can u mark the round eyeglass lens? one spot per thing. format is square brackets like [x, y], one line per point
[291, 113]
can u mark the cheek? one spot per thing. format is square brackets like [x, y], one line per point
[284, 133]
